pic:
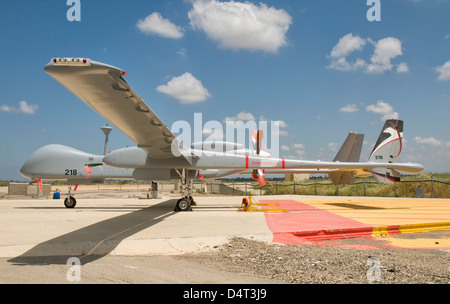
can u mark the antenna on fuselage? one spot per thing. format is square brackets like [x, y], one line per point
[106, 129]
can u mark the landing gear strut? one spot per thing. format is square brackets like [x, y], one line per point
[70, 201]
[187, 201]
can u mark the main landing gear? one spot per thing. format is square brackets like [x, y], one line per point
[187, 201]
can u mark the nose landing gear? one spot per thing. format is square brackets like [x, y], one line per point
[70, 201]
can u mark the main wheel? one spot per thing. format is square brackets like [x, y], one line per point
[193, 203]
[183, 204]
[70, 202]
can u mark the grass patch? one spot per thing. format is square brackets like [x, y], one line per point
[429, 185]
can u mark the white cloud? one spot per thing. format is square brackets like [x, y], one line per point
[347, 45]
[284, 148]
[383, 108]
[156, 24]
[283, 133]
[298, 146]
[243, 116]
[182, 52]
[431, 141]
[236, 25]
[333, 146]
[301, 153]
[444, 71]
[402, 68]
[186, 88]
[385, 50]
[349, 108]
[281, 123]
[213, 134]
[23, 108]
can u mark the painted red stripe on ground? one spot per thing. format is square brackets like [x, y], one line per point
[303, 218]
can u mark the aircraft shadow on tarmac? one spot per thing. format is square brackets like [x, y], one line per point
[97, 240]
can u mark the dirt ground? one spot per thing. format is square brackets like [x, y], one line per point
[309, 264]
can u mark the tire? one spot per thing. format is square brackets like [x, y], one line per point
[70, 202]
[183, 204]
[193, 203]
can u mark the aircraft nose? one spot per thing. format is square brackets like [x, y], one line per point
[26, 169]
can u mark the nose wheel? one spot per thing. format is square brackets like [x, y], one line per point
[70, 202]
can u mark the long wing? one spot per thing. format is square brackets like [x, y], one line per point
[103, 88]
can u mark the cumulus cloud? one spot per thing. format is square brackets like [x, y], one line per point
[444, 71]
[385, 51]
[349, 108]
[156, 24]
[185, 88]
[236, 25]
[244, 116]
[431, 141]
[284, 148]
[213, 134]
[402, 68]
[384, 109]
[247, 116]
[347, 45]
[24, 108]
[333, 146]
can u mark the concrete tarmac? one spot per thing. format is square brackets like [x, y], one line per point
[43, 235]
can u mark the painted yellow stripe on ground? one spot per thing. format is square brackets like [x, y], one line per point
[386, 211]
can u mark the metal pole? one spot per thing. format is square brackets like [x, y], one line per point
[432, 190]
[364, 186]
[422, 187]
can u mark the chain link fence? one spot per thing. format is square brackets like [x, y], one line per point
[422, 186]
[419, 187]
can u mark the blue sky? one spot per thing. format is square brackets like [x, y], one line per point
[320, 67]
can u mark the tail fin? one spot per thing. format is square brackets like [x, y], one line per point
[349, 152]
[387, 150]
[351, 148]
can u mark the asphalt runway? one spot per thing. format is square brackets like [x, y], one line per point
[42, 235]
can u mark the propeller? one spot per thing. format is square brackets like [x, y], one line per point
[258, 174]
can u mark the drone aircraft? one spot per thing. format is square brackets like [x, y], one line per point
[59, 162]
[160, 155]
